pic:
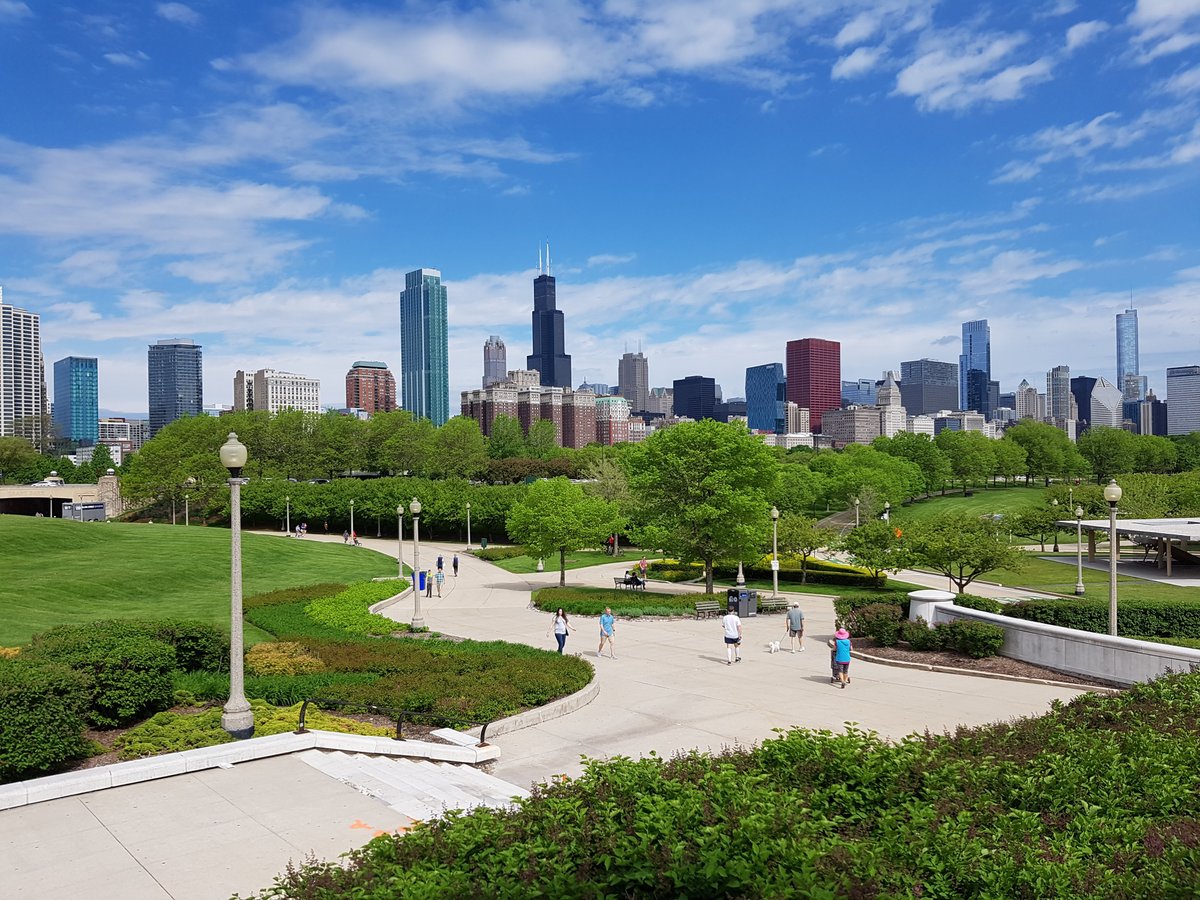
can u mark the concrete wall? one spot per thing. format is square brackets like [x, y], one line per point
[1115, 660]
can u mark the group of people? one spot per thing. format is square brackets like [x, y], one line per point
[561, 626]
[300, 530]
[351, 537]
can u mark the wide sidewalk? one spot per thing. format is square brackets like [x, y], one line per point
[670, 690]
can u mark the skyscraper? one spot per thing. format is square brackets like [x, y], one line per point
[976, 356]
[928, 386]
[549, 344]
[371, 387]
[77, 399]
[1058, 395]
[424, 346]
[633, 380]
[695, 397]
[22, 374]
[1183, 399]
[766, 398]
[1127, 356]
[1097, 403]
[495, 361]
[814, 376]
[175, 372]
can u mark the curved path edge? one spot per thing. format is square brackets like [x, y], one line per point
[999, 676]
[563, 706]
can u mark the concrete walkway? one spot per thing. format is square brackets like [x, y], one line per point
[670, 689]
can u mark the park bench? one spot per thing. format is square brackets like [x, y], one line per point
[626, 584]
[772, 604]
[706, 608]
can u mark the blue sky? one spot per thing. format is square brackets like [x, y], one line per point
[715, 177]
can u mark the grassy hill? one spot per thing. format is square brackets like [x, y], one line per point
[54, 571]
[982, 502]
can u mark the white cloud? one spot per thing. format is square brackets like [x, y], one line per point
[861, 28]
[858, 63]
[610, 259]
[13, 9]
[1083, 33]
[128, 60]
[955, 70]
[179, 13]
[1185, 82]
[1017, 171]
[1165, 27]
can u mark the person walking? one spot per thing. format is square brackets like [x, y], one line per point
[608, 633]
[643, 567]
[733, 637]
[440, 578]
[795, 626]
[439, 562]
[840, 643]
[428, 583]
[454, 565]
[345, 537]
[561, 627]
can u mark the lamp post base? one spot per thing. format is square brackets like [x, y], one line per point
[1079, 590]
[238, 722]
[417, 622]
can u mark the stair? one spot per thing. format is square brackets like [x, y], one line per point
[418, 788]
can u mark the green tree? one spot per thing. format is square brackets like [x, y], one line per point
[797, 487]
[556, 516]
[1109, 451]
[460, 450]
[700, 491]
[920, 450]
[1037, 522]
[962, 547]
[801, 536]
[507, 440]
[876, 546]
[1010, 459]
[970, 453]
[542, 440]
[15, 453]
[1153, 453]
[1048, 450]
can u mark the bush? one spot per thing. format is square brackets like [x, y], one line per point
[590, 601]
[878, 621]
[921, 637]
[42, 707]
[128, 673]
[279, 690]
[1154, 618]
[491, 554]
[282, 658]
[844, 607]
[293, 595]
[983, 604]
[819, 572]
[976, 639]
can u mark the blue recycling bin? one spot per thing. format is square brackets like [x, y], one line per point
[421, 581]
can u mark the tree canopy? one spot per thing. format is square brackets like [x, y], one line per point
[962, 547]
[556, 516]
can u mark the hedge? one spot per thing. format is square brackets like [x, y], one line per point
[1148, 618]
[589, 601]
[1098, 798]
[819, 572]
[348, 610]
[42, 708]
[492, 554]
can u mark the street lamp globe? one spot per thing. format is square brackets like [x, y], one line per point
[1112, 492]
[233, 455]
[415, 507]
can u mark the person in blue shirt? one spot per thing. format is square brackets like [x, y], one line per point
[608, 629]
[840, 644]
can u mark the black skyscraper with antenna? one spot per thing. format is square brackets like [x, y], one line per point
[549, 344]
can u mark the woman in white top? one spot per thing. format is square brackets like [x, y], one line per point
[733, 637]
[561, 627]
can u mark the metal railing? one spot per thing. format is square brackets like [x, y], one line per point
[399, 715]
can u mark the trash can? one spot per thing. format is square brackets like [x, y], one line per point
[742, 601]
[421, 581]
[483, 543]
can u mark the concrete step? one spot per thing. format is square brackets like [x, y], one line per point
[407, 775]
[455, 737]
[496, 791]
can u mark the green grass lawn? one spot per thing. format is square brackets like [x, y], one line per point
[579, 559]
[983, 501]
[1045, 575]
[57, 572]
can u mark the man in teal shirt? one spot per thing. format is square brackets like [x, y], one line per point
[607, 629]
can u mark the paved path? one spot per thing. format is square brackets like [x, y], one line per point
[670, 688]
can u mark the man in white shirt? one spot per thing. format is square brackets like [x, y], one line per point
[733, 637]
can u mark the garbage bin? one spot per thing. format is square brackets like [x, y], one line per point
[742, 601]
[483, 543]
[421, 581]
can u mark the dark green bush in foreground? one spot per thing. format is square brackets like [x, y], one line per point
[1099, 798]
[42, 708]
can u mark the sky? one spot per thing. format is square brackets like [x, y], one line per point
[714, 177]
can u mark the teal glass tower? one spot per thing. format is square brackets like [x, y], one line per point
[424, 347]
[77, 399]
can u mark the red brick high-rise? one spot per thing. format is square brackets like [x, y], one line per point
[371, 387]
[814, 376]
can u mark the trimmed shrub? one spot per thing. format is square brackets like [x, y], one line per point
[128, 674]
[921, 637]
[845, 606]
[293, 595]
[281, 658]
[819, 572]
[878, 621]
[491, 554]
[42, 708]
[1152, 618]
[590, 601]
[280, 690]
[976, 639]
[9, 652]
[983, 604]
[349, 609]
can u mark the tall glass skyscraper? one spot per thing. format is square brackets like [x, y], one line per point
[1127, 356]
[814, 376]
[976, 356]
[424, 346]
[77, 399]
[549, 355]
[766, 398]
[176, 382]
[928, 386]
[22, 374]
[495, 361]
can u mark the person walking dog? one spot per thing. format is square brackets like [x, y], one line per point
[795, 626]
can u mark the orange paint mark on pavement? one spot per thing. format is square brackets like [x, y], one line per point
[359, 823]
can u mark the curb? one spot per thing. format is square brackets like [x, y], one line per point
[999, 676]
[553, 710]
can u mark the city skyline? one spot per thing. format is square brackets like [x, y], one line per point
[259, 180]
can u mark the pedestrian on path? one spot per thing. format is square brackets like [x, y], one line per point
[643, 566]
[561, 627]
[439, 562]
[795, 626]
[454, 565]
[840, 644]
[733, 637]
[608, 633]
[440, 578]
[428, 583]
[345, 537]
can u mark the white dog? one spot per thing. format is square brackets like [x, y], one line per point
[773, 646]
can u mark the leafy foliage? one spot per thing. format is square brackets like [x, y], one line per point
[348, 610]
[42, 707]
[1099, 798]
[876, 547]
[1153, 618]
[962, 547]
[556, 516]
[281, 658]
[591, 601]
